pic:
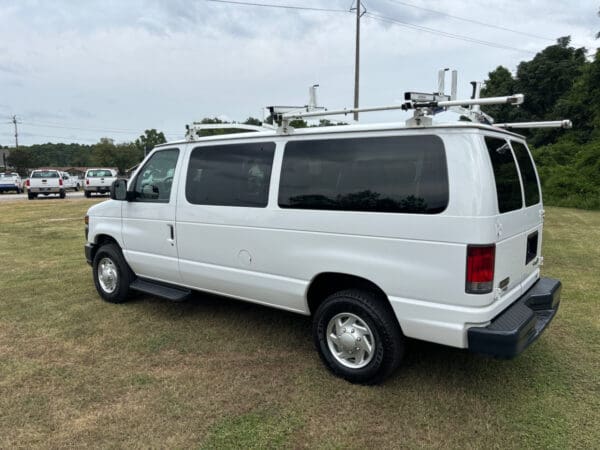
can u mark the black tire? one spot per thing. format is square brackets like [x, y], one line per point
[386, 334]
[30, 196]
[62, 194]
[123, 274]
[87, 194]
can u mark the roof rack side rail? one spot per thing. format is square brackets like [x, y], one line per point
[566, 124]
[191, 130]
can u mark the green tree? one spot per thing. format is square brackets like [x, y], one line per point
[548, 76]
[123, 156]
[150, 139]
[252, 121]
[21, 159]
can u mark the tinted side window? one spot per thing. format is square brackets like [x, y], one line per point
[508, 187]
[390, 174]
[530, 183]
[153, 182]
[230, 175]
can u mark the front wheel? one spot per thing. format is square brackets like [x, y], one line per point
[357, 336]
[112, 275]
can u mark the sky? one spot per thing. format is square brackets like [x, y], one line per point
[79, 70]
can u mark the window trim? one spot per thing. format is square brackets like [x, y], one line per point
[351, 211]
[133, 193]
[537, 177]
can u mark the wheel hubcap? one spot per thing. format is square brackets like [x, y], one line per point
[107, 275]
[350, 340]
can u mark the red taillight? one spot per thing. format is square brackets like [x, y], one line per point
[480, 268]
[27, 182]
[60, 182]
[87, 181]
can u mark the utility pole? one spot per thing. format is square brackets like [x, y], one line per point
[357, 58]
[14, 121]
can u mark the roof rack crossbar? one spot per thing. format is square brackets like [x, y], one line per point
[515, 99]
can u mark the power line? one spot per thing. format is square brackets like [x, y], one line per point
[464, 19]
[395, 21]
[444, 33]
[273, 5]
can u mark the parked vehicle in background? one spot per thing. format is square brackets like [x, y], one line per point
[98, 181]
[10, 182]
[71, 182]
[45, 182]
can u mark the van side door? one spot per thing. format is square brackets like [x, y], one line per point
[149, 233]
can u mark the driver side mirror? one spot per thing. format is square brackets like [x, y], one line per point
[118, 190]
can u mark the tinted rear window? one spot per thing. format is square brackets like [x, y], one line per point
[99, 173]
[508, 187]
[390, 174]
[45, 174]
[530, 183]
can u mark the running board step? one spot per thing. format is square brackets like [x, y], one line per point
[173, 293]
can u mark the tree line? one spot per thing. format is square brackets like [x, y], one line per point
[560, 82]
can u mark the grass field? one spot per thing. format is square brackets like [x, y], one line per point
[215, 373]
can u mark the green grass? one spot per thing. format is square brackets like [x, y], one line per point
[214, 373]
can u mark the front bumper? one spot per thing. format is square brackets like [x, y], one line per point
[89, 252]
[520, 324]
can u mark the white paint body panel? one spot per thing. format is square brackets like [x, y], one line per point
[270, 255]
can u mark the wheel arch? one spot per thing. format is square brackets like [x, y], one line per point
[102, 239]
[326, 283]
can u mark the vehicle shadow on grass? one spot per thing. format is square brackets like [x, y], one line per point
[423, 362]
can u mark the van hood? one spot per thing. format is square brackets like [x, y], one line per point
[108, 208]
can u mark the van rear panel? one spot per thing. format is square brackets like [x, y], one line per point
[519, 223]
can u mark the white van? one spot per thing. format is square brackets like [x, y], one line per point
[379, 232]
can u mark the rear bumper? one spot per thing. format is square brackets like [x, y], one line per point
[520, 324]
[45, 190]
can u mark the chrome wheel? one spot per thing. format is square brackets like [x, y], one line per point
[350, 340]
[107, 275]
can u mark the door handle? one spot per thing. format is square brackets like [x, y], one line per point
[171, 234]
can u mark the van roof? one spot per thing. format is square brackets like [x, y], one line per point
[267, 133]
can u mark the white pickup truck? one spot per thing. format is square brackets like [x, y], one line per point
[71, 181]
[99, 181]
[45, 182]
[10, 182]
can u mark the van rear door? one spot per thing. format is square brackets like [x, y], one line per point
[519, 223]
[533, 214]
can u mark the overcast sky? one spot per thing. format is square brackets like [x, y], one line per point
[75, 71]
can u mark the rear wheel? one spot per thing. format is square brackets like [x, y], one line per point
[31, 196]
[88, 194]
[62, 194]
[357, 336]
[112, 275]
